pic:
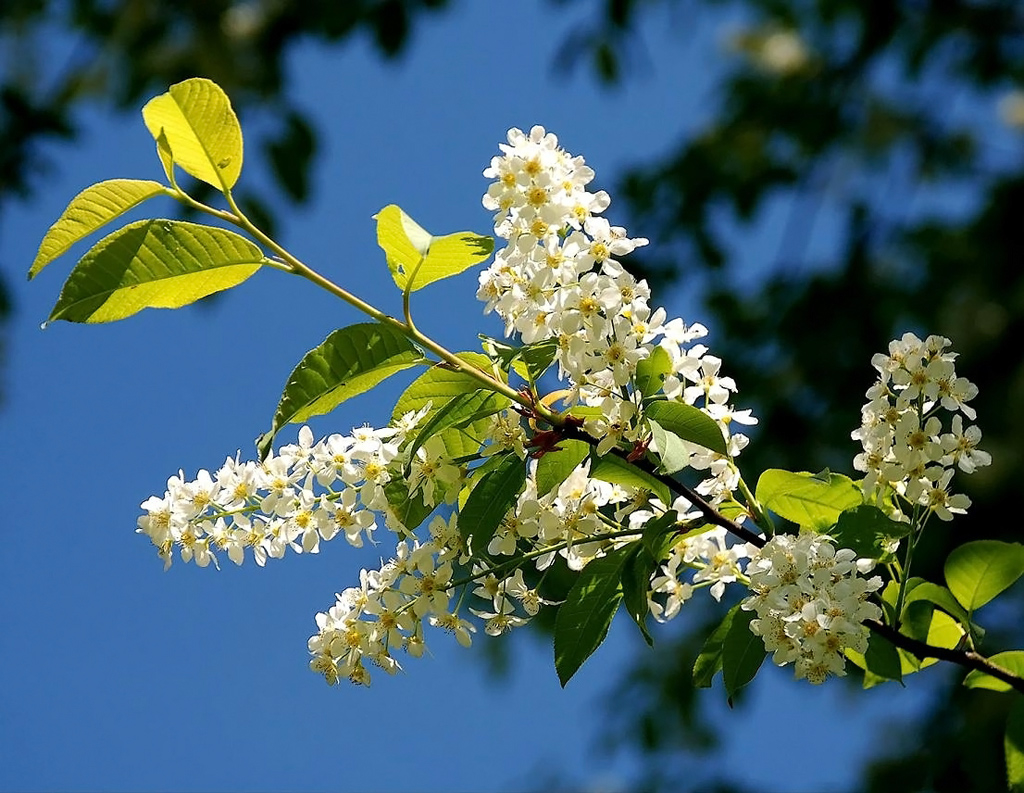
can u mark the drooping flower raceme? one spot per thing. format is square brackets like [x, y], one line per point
[811, 602]
[906, 447]
[306, 494]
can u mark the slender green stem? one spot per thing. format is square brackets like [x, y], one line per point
[297, 267]
[757, 511]
[915, 534]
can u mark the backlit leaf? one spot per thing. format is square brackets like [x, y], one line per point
[1011, 661]
[154, 264]
[436, 386]
[200, 129]
[416, 258]
[811, 500]
[90, 210]
[980, 570]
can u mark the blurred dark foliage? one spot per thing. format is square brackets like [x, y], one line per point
[837, 108]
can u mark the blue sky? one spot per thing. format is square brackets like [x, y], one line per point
[123, 677]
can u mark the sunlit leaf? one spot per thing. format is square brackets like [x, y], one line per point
[689, 423]
[980, 570]
[1011, 660]
[438, 385]
[90, 210]
[416, 259]
[200, 129]
[348, 362]
[651, 372]
[154, 264]
[529, 361]
[460, 411]
[811, 500]
[614, 469]
[939, 595]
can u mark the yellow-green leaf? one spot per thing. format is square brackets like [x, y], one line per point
[349, 362]
[154, 264]
[88, 211]
[436, 387]
[200, 128]
[415, 258]
[813, 501]
[1011, 660]
[978, 571]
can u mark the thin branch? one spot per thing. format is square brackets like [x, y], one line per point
[965, 658]
[710, 514]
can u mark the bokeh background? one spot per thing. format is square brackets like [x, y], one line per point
[815, 178]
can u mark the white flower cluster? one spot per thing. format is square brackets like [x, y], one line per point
[559, 279]
[709, 562]
[810, 603]
[385, 613]
[905, 445]
[306, 494]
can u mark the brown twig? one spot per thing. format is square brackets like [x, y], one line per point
[965, 658]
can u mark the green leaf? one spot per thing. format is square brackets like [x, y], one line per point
[474, 475]
[200, 129]
[411, 511]
[154, 264]
[436, 386]
[709, 662]
[1011, 661]
[348, 362]
[554, 467]
[882, 661]
[530, 361]
[651, 372]
[636, 583]
[659, 534]
[672, 452]
[980, 570]
[583, 619]
[742, 654]
[614, 469]
[938, 595]
[1013, 744]
[868, 531]
[491, 500]
[922, 621]
[810, 500]
[459, 411]
[415, 258]
[88, 211]
[689, 423]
